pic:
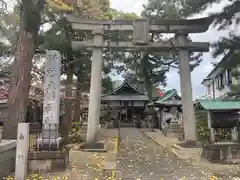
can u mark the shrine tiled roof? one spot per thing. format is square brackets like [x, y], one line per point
[125, 92]
[122, 88]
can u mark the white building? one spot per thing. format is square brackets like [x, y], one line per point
[219, 80]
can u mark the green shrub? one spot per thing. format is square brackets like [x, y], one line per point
[202, 126]
[74, 136]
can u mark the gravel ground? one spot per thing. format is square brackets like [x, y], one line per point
[142, 159]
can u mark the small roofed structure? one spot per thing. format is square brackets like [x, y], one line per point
[218, 104]
[126, 103]
[218, 120]
[220, 113]
[169, 108]
[169, 99]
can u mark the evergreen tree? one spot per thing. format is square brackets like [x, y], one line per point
[228, 46]
[150, 68]
[228, 16]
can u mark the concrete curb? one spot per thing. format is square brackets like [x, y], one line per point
[178, 155]
[167, 147]
[174, 151]
[170, 148]
[175, 146]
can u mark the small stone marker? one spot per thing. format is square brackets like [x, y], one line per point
[22, 151]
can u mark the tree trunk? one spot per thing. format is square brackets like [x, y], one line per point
[149, 88]
[66, 124]
[78, 99]
[20, 81]
[147, 81]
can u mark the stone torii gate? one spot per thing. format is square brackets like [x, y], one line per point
[139, 30]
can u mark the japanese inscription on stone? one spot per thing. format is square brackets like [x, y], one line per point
[22, 151]
[20, 156]
[21, 136]
[52, 88]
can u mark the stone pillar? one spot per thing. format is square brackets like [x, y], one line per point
[95, 87]
[234, 134]
[211, 130]
[22, 151]
[186, 91]
[51, 104]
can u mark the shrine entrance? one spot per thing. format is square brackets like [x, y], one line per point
[136, 38]
[127, 102]
[125, 116]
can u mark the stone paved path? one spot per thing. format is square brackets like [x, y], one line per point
[142, 159]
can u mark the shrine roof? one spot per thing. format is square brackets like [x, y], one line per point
[125, 92]
[168, 95]
[125, 88]
[217, 104]
[126, 98]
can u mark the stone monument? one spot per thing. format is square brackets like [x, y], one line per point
[22, 151]
[50, 139]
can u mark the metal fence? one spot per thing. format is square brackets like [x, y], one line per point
[223, 134]
[45, 140]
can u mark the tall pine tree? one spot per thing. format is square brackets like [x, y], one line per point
[230, 46]
[150, 68]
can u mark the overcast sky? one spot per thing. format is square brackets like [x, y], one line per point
[210, 36]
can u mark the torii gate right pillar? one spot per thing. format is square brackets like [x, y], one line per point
[186, 91]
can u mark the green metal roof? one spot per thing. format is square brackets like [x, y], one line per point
[167, 95]
[218, 104]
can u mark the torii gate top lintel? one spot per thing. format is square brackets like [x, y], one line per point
[199, 25]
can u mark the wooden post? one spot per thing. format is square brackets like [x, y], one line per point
[22, 151]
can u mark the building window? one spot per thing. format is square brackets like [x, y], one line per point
[209, 90]
[217, 82]
[220, 81]
[228, 77]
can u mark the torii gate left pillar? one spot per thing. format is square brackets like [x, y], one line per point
[95, 87]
